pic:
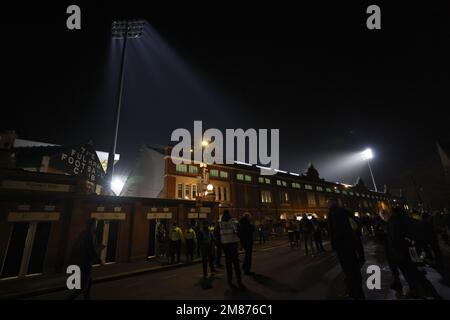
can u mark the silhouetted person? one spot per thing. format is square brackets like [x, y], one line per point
[317, 234]
[382, 234]
[398, 235]
[218, 252]
[175, 238]
[261, 235]
[227, 234]
[85, 253]
[246, 230]
[206, 245]
[296, 226]
[306, 230]
[346, 241]
[291, 234]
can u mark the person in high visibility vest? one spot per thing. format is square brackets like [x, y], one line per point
[175, 237]
[227, 235]
[191, 239]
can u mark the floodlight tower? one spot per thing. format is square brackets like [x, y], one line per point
[121, 30]
[367, 155]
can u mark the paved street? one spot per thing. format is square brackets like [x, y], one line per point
[281, 273]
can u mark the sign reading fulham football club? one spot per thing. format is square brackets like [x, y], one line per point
[80, 161]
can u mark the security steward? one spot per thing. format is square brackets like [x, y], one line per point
[176, 236]
[191, 240]
[227, 235]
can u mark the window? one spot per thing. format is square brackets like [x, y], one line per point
[225, 194]
[337, 190]
[224, 174]
[357, 194]
[322, 200]
[344, 192]
[261, 180]
[308, 187]
[267, 180]
[180, 191]
[181, 168]
[193, 169]
[351, 193]
[311, 200]
[278, 182]
[187, 191]
[248, 178]
[194, 191]
[296, 185]
[284, 183]
[240, 176]
[266, 196]
[319, 188]
[329, 190]
[284, 197]
[214, 173]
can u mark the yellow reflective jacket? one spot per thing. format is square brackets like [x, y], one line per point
[176, 234]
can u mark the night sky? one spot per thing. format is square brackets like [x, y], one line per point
[329, 84]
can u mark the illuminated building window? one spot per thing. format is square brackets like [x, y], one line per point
[329, 190]
[319, 188]
[214, 173]
[181, 168]
[240, 176]
[351, 193]
[194, 191]
[248, 178]
[278, 182]
[224, 174]
[284, 183]
[187, 191]
[193, 169]
[322, 200]
[296, 185]
[308, 187]
[311, 200]
[225, 194]
[266, 196]
[180, 191]
[357, 194]
[284, 197]
[337, 191]
[267, 180]
[344, 192]
[261, 180]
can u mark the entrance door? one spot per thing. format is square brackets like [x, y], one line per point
[107, 231]
[26, 249]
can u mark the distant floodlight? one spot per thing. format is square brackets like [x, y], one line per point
[117, 184]
[367, 154]
[210, 187]
[131, 28]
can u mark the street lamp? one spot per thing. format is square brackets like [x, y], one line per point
[121, 30]
[366, 155]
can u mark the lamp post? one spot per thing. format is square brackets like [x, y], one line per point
[367, 155]
[121, 30]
